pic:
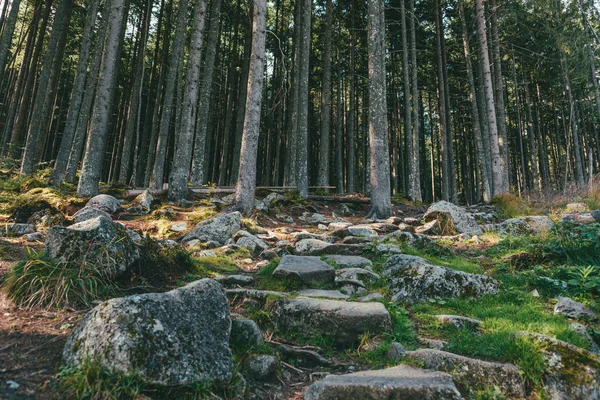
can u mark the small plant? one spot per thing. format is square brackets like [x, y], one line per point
[39, 282]
[585, 280]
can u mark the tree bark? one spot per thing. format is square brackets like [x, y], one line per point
[415, 137]
[326, 100]
[7, 34]
[303, 72]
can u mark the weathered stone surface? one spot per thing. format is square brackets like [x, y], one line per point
[324, 294]
[582, 331]
[178, 227]
[414, 279]
[436, 344]
[575, 207]
[573, 309]
[88, 212]
[396, 352]
[97, 244]
[397, 383]
[262, 367]
[356, 230]
[20, 229]
[386, 248]
[359, 274]
[245, 334]
[596, 215]
[307, 269]
[35, 237]
[452, 218]
[473, 373]
[315, 247]
[104, 202]
[461, 322]
[272, 200]
[345, 321]
[336, 226]
[218, 229]
[176, 338]
[371, 297]
[142, 203]
[522, 226]
[571, 373]
[350, 261]
[233, 280]
[250, 242]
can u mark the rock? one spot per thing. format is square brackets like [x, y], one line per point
[371, 297]
[412, 221]
[104, 202]
[344, 210]
[235, 280]
[394, 221]
[272, 200]
[346, 322]
[260, 206]
[358, 274]
[584, 218]
[413, 279]
[250, 242]
[355, 230]
[179, 337]
[35, 237]
[179, 227]
[142, 203]
[310, 270]
[395, 352]
[430, 228]
[412, 239]
[472, 373]
[337, 226]
[433, 343]
[388, 249]
[97, 244]
[522, 226]
[397, 383]
[358, 240]
[218, 229]
[12, 385]
[452, 218]
[573, 309]
[350, 261]
[245, 334]
[575, 207]
[323, 294]
[351, 286]
[315, 218]
[583, 332]
[20, 229]
[88, 212]
[285, 218]
[315, 247]
[571, 373]
[460, 322]
[262, 367]
[596, 215]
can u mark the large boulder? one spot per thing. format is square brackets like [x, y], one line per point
[453, 219]
[142, 203]
[316, 247]
[98, 245]
[472, 373]
[571, 373]
[346, 322]
[413, 279]
[307, 269]
[88, 212]
[397, 383]
[19, 229]
[249, 241]
[176, 338]
[573, 309]
[522, 226]
[350, 261]
[104, 202]
[219, 229]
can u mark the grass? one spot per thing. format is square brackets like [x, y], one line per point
[91, 380]
[39, 282]
[511, 206]
[449, 261]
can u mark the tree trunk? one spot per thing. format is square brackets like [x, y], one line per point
[381, 204]
[7, 34]
[326, 100]
[497, 174]
[579, 175]
[303, 72]
[415, 137]
[246, 184]
[351, 117]
[184, 141]
[94, 154]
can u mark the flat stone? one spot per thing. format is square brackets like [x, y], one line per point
[385, 248]
[371, 297]
[323, 294]
[522, 226]
[573, 309]
[429, 228]
[359, 274]
[233, 280]
[307, 269]
[179, 227]
[452, 218]
[461, 322]
[473, 373]
[337, 226]
[345, 321]
[315, 247]
[35, 237]
[350, 261]
[402, 382]
[20, 229]
[219, 229]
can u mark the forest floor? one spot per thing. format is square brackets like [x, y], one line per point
[32, 339]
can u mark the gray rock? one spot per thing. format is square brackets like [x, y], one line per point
[351, 286]
[429, 228]
[358, 274]
[461, 322]
[350, 261]
[176, 338]
[596, 215]
[571, 373]
[142, 203]
[262, 367]
[88, 212]
[413, 279]
[323, 294]
[396, 352]
[20, 229]
[347, 322]
[385, 248]
[371, 297]
[98, 245]
[250, 242]
[412, 221]
[219, 229]
[272, 200]
[285, 218]
[436, 344]
[582, 331]
[35, 237]
[178, 227]
[307, 269]
[315, 247]
[356, 230]
[397, 383]
[452, 218]
[233, 280]
[104, 202]
[473, 373]
[522, 226]
[337, 226]
[573, 309]
[245, 334]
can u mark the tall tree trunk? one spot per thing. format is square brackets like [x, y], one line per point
[246, 184]
[158, 172]
[579, 175]
[43, 95]
[184, 140]
[339, 138]
[415, 136]
[406, 82]
[94, 154]
[351, 117]
[303, 72]
[326, 100]
[497, 174]
[205, 94]
[381, 204]
[444, 136]
[7, 34]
